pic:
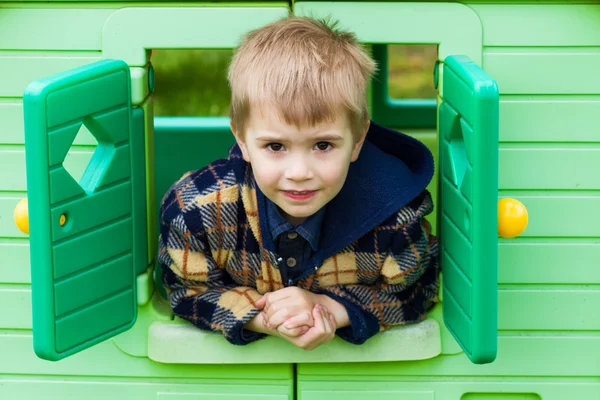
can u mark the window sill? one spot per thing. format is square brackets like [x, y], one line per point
[179, 342]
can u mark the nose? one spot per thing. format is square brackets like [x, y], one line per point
[298, 169]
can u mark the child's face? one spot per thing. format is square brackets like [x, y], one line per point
[300, 170]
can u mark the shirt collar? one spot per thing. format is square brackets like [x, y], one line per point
[310, 229]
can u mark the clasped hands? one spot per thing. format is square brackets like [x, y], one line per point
[299, 316]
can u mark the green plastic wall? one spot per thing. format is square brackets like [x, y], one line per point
[544, 58]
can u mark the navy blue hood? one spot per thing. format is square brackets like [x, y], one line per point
[391, 171]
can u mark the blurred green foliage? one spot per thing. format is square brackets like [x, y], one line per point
[410, 69]
[194, 83]
[191, 82]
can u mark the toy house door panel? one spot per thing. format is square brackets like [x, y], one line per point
[468, 126]
[87, 238]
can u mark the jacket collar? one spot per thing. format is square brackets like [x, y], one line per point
[310, 229]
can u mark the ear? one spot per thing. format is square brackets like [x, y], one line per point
[240, 141]
[359, 142]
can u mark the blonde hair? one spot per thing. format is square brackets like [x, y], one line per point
[306, 70]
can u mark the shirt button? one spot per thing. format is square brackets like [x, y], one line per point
[292, 235]
[291, 262]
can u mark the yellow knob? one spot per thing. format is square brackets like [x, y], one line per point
[512, 218]
[21, 216]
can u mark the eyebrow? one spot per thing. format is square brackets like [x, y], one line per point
[269, 139]
[331, 138]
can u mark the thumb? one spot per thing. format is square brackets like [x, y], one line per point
[260, 304]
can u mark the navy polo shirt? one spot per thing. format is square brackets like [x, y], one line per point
[294, 244]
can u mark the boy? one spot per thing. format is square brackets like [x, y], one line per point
[314, 225]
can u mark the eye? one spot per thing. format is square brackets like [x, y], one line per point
[275, 147]
[323, 146]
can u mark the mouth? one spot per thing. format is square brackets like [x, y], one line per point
[299, 195]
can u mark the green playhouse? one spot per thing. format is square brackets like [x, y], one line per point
[83, 315]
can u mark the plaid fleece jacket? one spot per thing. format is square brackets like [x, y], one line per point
[380, 262]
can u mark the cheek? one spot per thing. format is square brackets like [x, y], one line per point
[334, 174]
[265, 173]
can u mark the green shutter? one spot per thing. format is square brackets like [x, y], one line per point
[468, 121]
[83, 270]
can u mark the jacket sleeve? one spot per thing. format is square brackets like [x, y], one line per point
[405, 289]
[199, 290]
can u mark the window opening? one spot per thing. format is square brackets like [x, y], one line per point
[410, 71]
[80, 153]
[191, 82]
[403, 90]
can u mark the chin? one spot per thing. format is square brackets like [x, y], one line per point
[297, 214]
[300, 213]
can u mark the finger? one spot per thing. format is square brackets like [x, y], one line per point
[282, 305]
[333, 321]
[274, 300]
[322, 331]
[315, 340]
[261, 302]
[295, 321]
[318, 318]
[279, 317]
[301, 317]
[280, 294]
[324, 335]
[326, 322]
[291, 303]
[307, 340]
[294, 332]
[271, 309]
